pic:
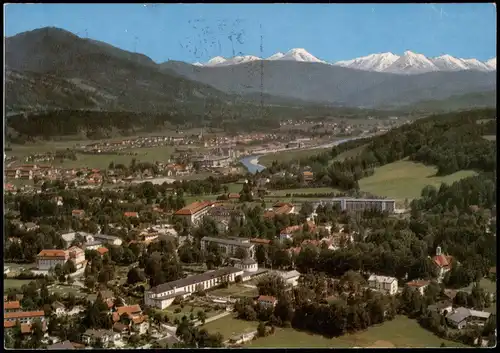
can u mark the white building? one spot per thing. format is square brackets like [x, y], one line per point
[108, 239]
[229, 246]
[50, 258]
[418, 285]
[385, 284]
[248, 265]
[69, 237]
[163, 295]
[291, 277]
[107, 337]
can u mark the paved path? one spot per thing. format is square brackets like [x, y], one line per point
[213, 318]
[249, 285]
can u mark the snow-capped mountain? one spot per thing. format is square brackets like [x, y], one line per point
[276, 56]
[474, 64]
[492, 63]
[448, 63]
[411, 63]
[215, 61]
[300, 54]
[373, 62]
[408, 63]
[297, 54]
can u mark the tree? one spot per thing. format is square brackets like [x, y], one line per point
[69, 267]
[271, 285]
[240, 253]
[202, 316]
[90, 282]
[134, 276]
[260, 254]
[261, 329]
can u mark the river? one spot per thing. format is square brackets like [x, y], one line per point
[252, 162]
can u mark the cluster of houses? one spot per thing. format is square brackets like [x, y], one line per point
[127, 320]
[139, 142]
[49, 172]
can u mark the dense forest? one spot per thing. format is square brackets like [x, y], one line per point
[451, 142]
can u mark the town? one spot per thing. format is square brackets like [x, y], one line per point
[180, 177]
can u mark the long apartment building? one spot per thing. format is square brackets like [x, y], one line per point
[49, 258]
[229, 246]
[24, 317]
[359, 205]
[163, 295]
[194, 212]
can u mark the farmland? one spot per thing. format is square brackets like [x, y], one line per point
[400, 332]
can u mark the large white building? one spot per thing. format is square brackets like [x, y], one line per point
[357, 205]
[385, 284]
[50, 258]
[194, 212]
[163, 295]
[229, 246]
[108, 239]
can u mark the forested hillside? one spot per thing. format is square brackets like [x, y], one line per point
[451, 142]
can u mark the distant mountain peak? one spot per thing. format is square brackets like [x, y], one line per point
[216, 61]
[373, 62]
[276, 56]
[300, 54]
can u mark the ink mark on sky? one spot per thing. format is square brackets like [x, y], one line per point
[331, 32]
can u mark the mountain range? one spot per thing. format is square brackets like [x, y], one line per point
[408, 63]
[53, 68]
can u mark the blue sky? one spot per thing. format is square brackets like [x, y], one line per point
[332, 32]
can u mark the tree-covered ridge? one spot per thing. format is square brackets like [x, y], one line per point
[451, 142]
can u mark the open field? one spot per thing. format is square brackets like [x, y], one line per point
[235, 291]
[400, 332]
[101, 161]
[405, 179]
[229, 326]
[490, 137]
[287, 156]
[9, 283]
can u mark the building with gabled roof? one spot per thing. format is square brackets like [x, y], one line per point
[385, 284]
[442, 262]
[194, 212]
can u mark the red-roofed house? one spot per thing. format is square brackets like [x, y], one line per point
[24, 316]
[11, 307]
[131, 214]
[260, 241]
[308, 176]
[137, 321]
[194, 212]
[102, 251]
[78, 213]
[49, 258]
[267, 300]
[419, 285]
[442, 262]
